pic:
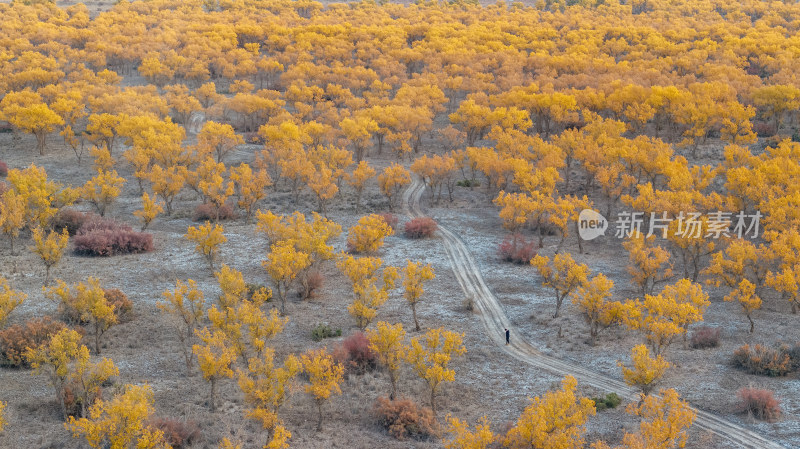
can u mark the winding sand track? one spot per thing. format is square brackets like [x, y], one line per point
[495, 320]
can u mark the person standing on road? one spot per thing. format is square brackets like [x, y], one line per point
[508, 336]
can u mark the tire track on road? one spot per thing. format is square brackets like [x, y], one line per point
[495, 320]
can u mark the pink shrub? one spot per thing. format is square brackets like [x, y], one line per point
[760, 403]
[105, 237]
[71, 219]
[763, 129]
[705, 337]
[520, 253]
[420, 228]
[3, 169]
[208, 212]
[390, 219]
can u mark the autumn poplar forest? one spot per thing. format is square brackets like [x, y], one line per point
[249, 223]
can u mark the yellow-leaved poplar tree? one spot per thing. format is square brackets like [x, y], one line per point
[121, 422]
[149, 211]
[184, 306]
[358, 179]
[554, 421]
[592, 299]
[645, 371]
[50, 248]
[367, 236]
[250, 187]
[283, 265]
[215, 358]
[12, 215]
[392, 181]
[88, 303]
[267, 386]
[103, 189]
[364, 276]
[430, 355]
[324, 377]
[745, 295]
[9, 300]
[167, 183]
[388, 343]
[207, 240]
[562, 274]
[666, 420]
[650, 263]
[464, 438]
[414, 275]
[67, 362]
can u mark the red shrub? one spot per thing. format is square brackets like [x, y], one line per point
[763, 129]
[420, 228]
[522, 253]
[705, 337]
[105, 237]
[208, 212]
[762, 360]
[403, 418]
[72, 220]
[178, 434]
[15, 340]
[760, 403]
[356, 355]
[390, 219]
[3, 169]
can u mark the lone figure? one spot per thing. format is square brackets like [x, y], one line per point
[508, 336]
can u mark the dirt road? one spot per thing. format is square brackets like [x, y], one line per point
[495, 320]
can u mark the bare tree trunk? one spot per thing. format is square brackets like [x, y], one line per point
[319, 421]
[414, 312]
[213, 395]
